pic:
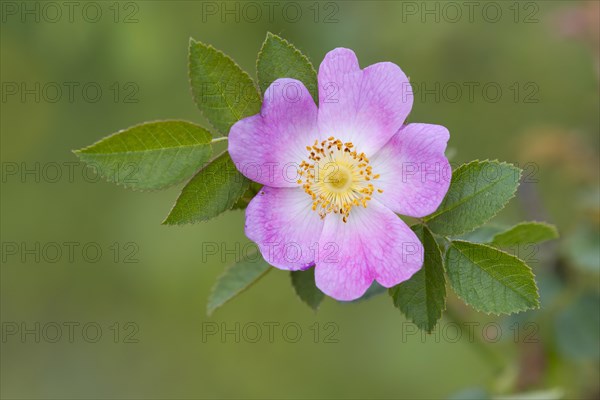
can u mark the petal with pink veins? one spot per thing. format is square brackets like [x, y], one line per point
[365, 107]
[286, 229]
[375, 244]
[268, 147]
[414, 172]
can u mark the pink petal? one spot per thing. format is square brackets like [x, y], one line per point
[374, 244]
[286, 229]
[414, 172]
[336, 63]
[365, 107]
[268, 147]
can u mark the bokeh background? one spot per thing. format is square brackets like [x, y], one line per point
[544, 57]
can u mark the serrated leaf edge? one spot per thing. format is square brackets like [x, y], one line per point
[271, 35]
[552, 227]
[165, 221]
[214, 130]
[210, 311]
[124, 185]
[395, 288]
[537, 291]
[464, 166]
[315, 309]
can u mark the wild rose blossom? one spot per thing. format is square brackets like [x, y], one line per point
[335, 176]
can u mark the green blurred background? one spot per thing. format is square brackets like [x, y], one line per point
[542, 55]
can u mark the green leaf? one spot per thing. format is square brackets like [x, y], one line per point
[278, 58]
[221, 89]
[237, 278]
[483, 234]
[252, 191]
[422, 298]
[374, 290]
[150, 156]
[304, 284]
[478, 191]
[215, 189]
[525, 233]
[489, 279]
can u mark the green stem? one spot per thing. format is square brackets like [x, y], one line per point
[221, 139]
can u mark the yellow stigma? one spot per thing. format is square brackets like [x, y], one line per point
[336, 177]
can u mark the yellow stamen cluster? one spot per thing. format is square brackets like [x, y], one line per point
[336, 177]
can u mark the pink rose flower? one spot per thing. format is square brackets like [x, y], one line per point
[335, 176]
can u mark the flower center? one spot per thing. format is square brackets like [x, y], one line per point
[336, 177]
[340, 180]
